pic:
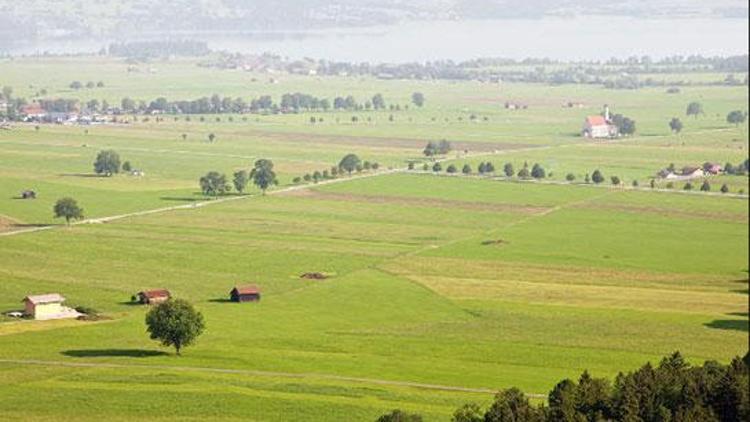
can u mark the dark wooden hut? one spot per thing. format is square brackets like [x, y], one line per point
[245, 294]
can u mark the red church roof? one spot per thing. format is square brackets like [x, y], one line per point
[596, 121]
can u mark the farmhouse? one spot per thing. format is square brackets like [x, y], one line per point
[692, 172]
[599, 126]
[47, 306]
[245, 294]
[153, 297]
[713, 168]
[33, 112]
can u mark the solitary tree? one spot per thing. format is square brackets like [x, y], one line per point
[263, 175]
[736, 117]
[68, 209]
[107, 162]
[349, 163]
[694, 109]
[597, 176]
[508, 169]
[214, 183]
[211, 137]
[616, 180]
[418, 99]
[174, 323]
[184, 136]
[675, 125]
[240, 181]
[466, 169]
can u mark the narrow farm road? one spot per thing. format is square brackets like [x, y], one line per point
[250, 372]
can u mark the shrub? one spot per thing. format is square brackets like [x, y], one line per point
[705, 187]
[724, 188]
[688, 186]
[615, 180]
[451, 169]
[570, 177]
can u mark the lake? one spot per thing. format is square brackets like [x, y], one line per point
[574, 38]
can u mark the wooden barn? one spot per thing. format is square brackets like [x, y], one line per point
[245, 294]
[153, 297]
[48, 306]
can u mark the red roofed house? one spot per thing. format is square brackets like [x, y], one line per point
[713, 168]
[245, 294]
[33, 111]
[153, 297]
[599, 126]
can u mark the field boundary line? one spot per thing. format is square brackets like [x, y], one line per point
[252, 372]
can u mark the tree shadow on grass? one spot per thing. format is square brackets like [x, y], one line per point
[82, 175]
[222, 300]
[731, 324]
[103, 353]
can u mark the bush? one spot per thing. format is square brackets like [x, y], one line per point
[451, 169]
[570, 177]
[437, 167]
[399, 416]
[635, 183]
[466, 169]
[670, 185]
[537, 171]
[724, 188]
[688, 186]
[705, 187]
[410, 166]
[597, 176]
[615, 180]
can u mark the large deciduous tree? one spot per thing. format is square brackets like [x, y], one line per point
[263, 175]
[214, 183]
[174, 323]
[68, 208]
[349, 163]
[107, 162]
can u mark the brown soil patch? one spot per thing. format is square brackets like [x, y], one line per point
[669, 212]
[420, 202]
[382, 142]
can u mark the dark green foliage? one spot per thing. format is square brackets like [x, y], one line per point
[688, 186]
[349, 163]
[616, 180]
[511, 405]
[263, 175]
[451, 169]
[537, 171]
[705, 187]
[470, 412]
[240, 181]
[437, 167]
[624, 124]
[597, 176]
[570, 177]
[174, 323]
[68, 208]
[508, 169]
[107, 162]
[214, 183]
[466, 169]
[399, 416]
[672, 391]
[126, 166]
[736, 117]
[724, 188]
[675, 125]
[418, 99]
[410, 166]
[441, 148]
[694, 109]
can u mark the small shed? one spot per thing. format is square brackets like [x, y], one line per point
[248, 293]
[153, 297]
[47, 306]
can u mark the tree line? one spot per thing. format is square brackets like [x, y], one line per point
[673, 390]
[349, 164]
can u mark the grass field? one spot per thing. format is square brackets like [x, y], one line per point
[442, 289]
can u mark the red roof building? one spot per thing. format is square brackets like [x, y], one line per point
[249, 293]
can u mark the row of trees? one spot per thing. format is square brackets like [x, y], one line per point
[262, 175]
[674, 390]
[290, 102]
[350, 163]
[536, 171]
[76, 85]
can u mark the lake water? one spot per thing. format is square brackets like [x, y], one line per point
[588, 38]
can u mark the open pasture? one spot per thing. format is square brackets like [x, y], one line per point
[417, 291]
[442, 289]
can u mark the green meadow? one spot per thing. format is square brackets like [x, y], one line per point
[441, 290]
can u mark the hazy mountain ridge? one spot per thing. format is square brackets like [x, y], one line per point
[122, 20]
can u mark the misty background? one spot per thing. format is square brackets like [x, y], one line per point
[386, 30]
